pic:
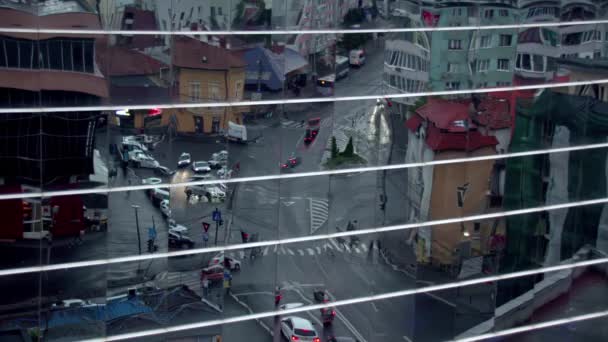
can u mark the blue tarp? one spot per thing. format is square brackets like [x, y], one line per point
[272, 68]
[108, 312]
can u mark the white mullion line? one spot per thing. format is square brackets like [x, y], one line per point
[535, 326]
[366, 231]
[298, 100]
[304, 174]
[311, 32]
[371, 298]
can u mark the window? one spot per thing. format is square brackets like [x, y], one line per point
[503, 64]
[455, 44]
[452, 67]
[456, 12]
[219, 10]
[503, 84]
[195, 91]
[238, 90]
[484, 41]
[212, 9]
[538, 63]
[481, 65]
[214, 91]
[452, 85]
[503, 13]
[505, 39]
[489, 14]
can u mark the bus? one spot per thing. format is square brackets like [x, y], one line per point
[325, 85]
[342, 67]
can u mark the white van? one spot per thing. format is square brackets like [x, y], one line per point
[356, 57]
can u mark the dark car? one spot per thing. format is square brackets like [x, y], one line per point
[177, 240]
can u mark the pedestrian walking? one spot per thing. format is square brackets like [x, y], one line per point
[205, 285]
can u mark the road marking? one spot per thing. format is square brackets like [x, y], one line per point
[242, 254]
[407, 338]
[290, 251]
[266, 250]
[288, 203]
[333, 242]
[346, 248]
[327, 245]
[445, 301]
[374, 306]
[310, 251]
[231, 254]
[363, 247]
[357, 250]
[282, 250]
[301, 252]
[275, 248]
[348, 325]
[318, 249]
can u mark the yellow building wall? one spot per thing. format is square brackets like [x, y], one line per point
[185, 118]
[444, 201]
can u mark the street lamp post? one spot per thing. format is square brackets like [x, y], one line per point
[136, 207]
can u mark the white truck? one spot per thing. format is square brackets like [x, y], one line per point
[236, 133]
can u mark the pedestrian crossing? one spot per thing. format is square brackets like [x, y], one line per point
[302, 123]
[263, 194]
[328, 246]
[319, 213]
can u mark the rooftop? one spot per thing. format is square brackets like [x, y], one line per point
[445, 114]
[191, 53]
[120, 61]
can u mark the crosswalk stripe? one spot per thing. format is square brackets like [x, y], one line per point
[301, 252]
[327, 245]
[333, 242]
[290, 251]
[357, 250]
[232, 255]
[282, 250]
[275, 248]
[310, 251]
[318, 249]
[364, 247]
[347, 248]
[242, 254]
[266, 250]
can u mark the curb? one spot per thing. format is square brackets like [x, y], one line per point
[262, 324]
[212, 305]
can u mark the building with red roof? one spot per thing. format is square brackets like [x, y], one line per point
[205, 72]
[448, 129]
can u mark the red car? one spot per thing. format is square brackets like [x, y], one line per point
[213, 273]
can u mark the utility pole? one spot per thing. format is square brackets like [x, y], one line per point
[136, 207]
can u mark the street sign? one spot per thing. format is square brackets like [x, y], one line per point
[151, 233]
[206, 226]
[217, 215]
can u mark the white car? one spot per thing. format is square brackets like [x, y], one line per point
[220, 156]
[214, 192]
[140, 159]
[201, 166]
[299, 329]
[165, 208]
[184, 160]
[224, 173]
[398, 12]
[235, 265]
[177, 228]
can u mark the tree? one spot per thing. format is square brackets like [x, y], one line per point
[349, 150]
[334, 148]
[353, 41]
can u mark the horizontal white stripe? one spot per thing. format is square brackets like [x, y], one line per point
[275, 243]
[305, 174]
[358, 300]
[289, 32]
[297, 100]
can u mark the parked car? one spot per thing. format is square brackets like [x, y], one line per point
[177, 228]
[184, 160]
[214, 273]
[164, 171]
[140, 159]
[201, 166]
[209, 191]
[219, 258]
[299, 329]
[159, 194]
[214, 192]
[216, 164]
[165, 208]
[224, 173]
[220, 156]
[178, 240]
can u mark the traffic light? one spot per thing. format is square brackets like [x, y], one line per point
[382, 206]
[221, 222]
[244, 237]
[206, 226]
